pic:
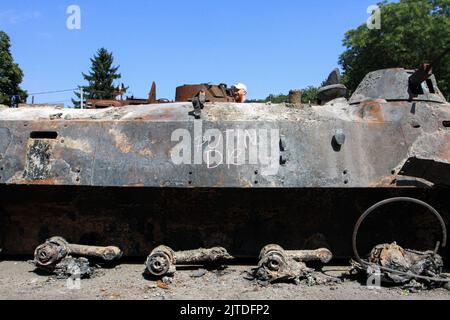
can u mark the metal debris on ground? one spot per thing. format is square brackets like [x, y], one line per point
[411, 269]
[278, 265]
[162, 260]
[394, 265]
[56, 256]
[162, 285]
[72, 267]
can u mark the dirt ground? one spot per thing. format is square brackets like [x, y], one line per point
[18, 281]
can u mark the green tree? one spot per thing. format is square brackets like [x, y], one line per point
[279, 98]
[412, 32]
[11, 75]
[309, 94]
[100, 78]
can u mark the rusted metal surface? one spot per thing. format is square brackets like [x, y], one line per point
[422, 76]
[276, 264]
[51, 252]
[103, 103]
[295, 97]
[57, 248]
[162, 260]
[152, 94]
[439, 219]
[390, 263]
[322, 255]
[106, 253]
[382, 139]
[395, 85]
[129, 101]
[214, 93]
[133, 147]
[66, 260]
[54, 257]
[202, 256]
[241, 220]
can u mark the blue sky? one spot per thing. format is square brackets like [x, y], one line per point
[271, 46]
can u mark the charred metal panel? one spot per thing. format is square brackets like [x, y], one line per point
[5, 141]
[438, 173]
[66, 159]
[37, 165]
[281, 147]
[299, 177]
[393, 84]
[141, 154]
[241, 220]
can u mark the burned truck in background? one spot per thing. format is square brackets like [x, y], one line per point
[234, 175]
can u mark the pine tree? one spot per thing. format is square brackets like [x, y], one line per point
[100, 79]
[11, 75]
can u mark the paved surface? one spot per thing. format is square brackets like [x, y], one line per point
[19, 281]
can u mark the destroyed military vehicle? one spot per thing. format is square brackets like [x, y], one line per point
[238, 176]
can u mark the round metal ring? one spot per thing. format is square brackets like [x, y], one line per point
[393, 200]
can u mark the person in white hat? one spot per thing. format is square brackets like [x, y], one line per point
[240, 92]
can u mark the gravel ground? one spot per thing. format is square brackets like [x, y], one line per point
[19, 281]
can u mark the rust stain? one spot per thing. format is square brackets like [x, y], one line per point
[162, 285]
[46, 182]
[134, 185]
[121, 141]
[371, 111]
[384, 182]
[221, 181]
[445, 154]
[245, 183]
[146, 152]
[82, 145]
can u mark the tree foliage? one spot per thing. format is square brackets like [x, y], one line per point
[412, 32]
[309, 95]
[100, 78]
[11, 75]
[277, 98]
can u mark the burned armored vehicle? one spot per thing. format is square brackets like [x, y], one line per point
[234, 175]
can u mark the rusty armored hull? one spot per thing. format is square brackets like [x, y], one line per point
[241, 176]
